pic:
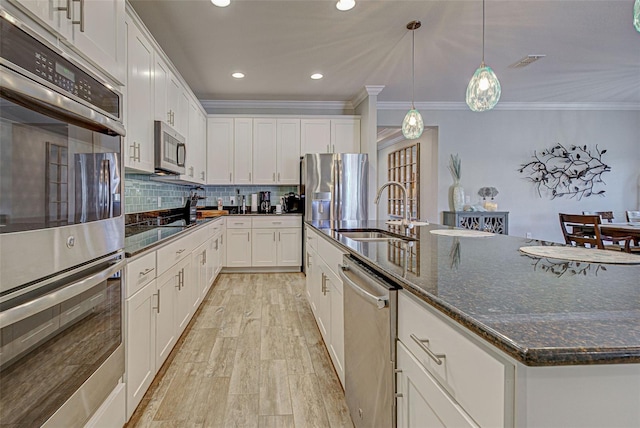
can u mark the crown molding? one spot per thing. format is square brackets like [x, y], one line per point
[367, 91]
[298, 105]
[382, 105]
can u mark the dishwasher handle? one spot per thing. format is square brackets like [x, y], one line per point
[380, 301]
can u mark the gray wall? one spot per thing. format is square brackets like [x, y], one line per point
[492, 145]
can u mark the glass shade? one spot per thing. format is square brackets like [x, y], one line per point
[483, 91]
[412, 125]
[345, 4]
[221, 3]
[636, 15]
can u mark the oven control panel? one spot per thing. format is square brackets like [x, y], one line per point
[19, 48]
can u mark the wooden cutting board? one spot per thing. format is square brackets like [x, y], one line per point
[211, 213]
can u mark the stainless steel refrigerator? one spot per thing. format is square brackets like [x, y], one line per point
[335, 186]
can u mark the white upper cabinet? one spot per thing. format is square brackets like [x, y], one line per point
[264, 151]
[139, 150]
[95, 29]
[196, 160]
[161, 78]
[345, 135]
[315, 135]
[330, 135]
[288, 151]
[220, 150]
[242, 159]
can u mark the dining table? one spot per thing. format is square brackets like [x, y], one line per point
[621, 229]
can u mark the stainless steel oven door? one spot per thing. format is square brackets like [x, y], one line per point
[60, 182]
[61, 350]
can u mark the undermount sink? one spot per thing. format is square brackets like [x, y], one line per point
[372, 235]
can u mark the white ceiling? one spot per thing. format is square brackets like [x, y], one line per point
[592, 50]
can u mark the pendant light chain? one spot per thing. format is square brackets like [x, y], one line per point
[413, 65]
[483, 32]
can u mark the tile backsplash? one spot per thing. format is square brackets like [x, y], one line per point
[142, 194]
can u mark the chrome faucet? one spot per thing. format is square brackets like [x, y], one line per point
[406, 221]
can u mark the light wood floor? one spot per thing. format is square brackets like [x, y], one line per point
[252, 357]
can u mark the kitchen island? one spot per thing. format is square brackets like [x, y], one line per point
[567, 333]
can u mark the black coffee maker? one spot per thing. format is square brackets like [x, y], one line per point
[265, 203]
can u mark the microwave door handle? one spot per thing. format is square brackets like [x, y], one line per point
[181, 147]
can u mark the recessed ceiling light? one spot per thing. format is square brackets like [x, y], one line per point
[238, 75]
[345, 4]
[316, 76]
[221, 3]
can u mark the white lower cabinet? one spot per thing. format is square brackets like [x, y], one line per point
[324, 291]
[421, 401]
[459, 378]
[238, 247]
[158, 309]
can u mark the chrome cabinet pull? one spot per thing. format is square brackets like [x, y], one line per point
[278, 236]
[169, 116]
[157, 308]
[249, 176]
[133, 151]
[202, 175]
[248, 237]
[421, 343]
[308, 260]
[138, 152]
[67, 9]
[274, 176]
[278, 176]
[178, 277]
[229, 177]
[276, 222]
[204, 257]
[180, 251]
[146, 271]
[190, 171]
[81, 21]
[274, 237]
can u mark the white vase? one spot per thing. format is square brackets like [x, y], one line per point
[458, 197]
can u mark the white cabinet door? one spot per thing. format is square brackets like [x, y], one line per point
[263, 247]
[423, 402]
[288, 151]
[195, 161]
[323, 304]
[238, 247]
[200, 274]
[220, 150]
[242, 152]
[264, 151]
[100, 34]
[140, 344]
[182, 115]
[166, 333]
[49, 13]
[139, 153]
[185, 295]
[161, 78]
[345, 135]
[313, 279]
[289, 247]
[174, 93]
[336, 346]
[315, 136]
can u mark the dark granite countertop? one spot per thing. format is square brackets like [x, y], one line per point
[542, 312]
[139, 239]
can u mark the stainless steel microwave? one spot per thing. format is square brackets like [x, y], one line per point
[171, 150]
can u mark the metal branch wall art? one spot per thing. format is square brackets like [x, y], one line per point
[574, 172]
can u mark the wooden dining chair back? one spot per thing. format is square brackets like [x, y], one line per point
[604, 215]
[581, 230]
[633, 215]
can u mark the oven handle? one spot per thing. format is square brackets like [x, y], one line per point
[380, 301]
[42, 99]
[39, 304]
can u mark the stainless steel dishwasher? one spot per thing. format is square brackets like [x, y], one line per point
[370, 328]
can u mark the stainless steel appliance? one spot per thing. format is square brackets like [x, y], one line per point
[171, 150]
[370, 330]
[335, 186]
[61, 233]
[265, 202]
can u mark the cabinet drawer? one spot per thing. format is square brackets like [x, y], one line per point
[217, 226]
[139, 272]
[331, 254]
[173, 252]
[311, 238]
[239, 223]
[480, 382]
[276, 222]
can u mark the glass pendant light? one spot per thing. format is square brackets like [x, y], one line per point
[412, 125]
[484, 90]
[636, 15]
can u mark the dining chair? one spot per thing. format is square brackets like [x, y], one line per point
[585, 231]
[633, 215]
[604, 215]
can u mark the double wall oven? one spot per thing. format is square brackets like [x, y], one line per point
[61, 234]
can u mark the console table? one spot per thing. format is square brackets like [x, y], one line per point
[490, 221]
